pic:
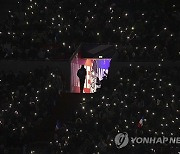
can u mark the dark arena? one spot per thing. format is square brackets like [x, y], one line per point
[89, 77]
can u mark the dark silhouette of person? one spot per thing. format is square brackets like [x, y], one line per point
[82, 75]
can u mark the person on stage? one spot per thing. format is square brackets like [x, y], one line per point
[82, 75]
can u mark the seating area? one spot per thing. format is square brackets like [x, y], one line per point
[26, 100]
[134, 92]
[142, 30]
[140, 97]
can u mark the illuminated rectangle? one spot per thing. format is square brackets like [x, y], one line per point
[96, 69]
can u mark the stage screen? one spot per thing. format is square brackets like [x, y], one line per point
[96, 69]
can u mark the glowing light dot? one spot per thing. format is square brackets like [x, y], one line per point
[16, 112]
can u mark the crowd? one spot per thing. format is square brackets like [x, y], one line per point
[50, 29]
[26, 100]
[134, 92]
[150, 93]
[141, 30]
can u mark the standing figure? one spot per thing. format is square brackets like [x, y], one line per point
[82, 75]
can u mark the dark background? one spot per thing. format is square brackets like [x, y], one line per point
[5, 6]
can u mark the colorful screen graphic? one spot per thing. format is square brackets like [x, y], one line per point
[96, 70]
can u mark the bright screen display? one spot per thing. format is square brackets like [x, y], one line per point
[96, 69]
